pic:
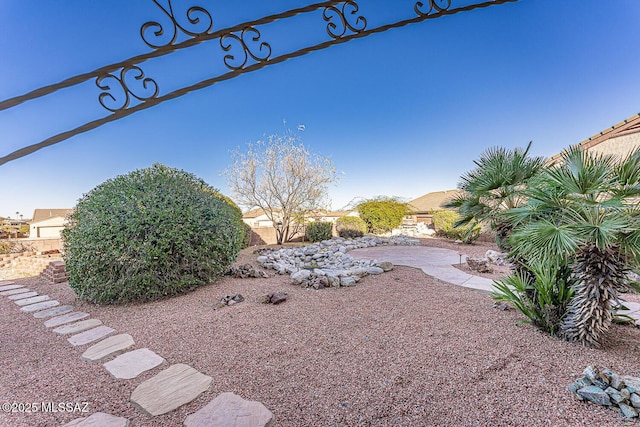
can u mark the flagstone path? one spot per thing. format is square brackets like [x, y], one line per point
[173, 387]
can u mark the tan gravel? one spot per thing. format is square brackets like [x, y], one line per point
[399, 349]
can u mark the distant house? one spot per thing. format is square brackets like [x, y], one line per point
[619, 139]
[424, 205]
[48, 223]
[257, 218]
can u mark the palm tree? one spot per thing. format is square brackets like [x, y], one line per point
[494, 186]
[582, 213]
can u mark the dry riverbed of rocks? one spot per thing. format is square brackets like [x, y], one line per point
[327, 264]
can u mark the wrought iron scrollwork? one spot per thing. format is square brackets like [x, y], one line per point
[195, 15]
[261, 54]
[434, 5]
[343, 14]
[134, 71]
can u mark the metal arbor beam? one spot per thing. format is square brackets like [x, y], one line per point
[244, 51]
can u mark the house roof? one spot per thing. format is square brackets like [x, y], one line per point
[625, 127]
[42, 214]
[433, 201]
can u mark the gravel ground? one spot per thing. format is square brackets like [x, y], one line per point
[400, 349]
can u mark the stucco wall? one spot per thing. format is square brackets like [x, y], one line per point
[620, 146]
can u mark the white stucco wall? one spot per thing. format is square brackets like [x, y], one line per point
[619, 146]
[49, 228]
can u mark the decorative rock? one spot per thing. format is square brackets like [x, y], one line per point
[77, 327]
[616, 382]
[635, 400]
[55, 311]
[246, 270]
[9, 286]
[374, 270]
[230, 300]
[278, 298]
[22, 295]
[264, 299]
[631, 381]
[99, 419]
[39, 306]
[107, 347]
[230, 410]
[628, 411]
[298, 277]
[130, 365]
[583, 382]
[595, 394]
[67, 318]
[481, 265]
[347, 281]
[91, 335]
[32, 300]
[386, 266]
[170, 389]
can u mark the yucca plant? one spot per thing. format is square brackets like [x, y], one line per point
[581, 214]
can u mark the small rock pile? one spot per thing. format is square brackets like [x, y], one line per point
[327, 264]
[273, 298]
[606, 388]
[481, 265]
[230, 300]
[246, 270]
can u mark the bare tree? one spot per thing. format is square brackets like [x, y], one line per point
[283, 178]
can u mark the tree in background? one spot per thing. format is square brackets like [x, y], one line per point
[283, 178]
[494, 186]
[382, 214]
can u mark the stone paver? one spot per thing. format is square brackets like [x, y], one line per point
[23, 295]
[91, 335]
[56, 311]
[77, 327]
[99, 419]
[230, 410]
[32, 300]
[6, 282]
[107, 347]
[130, 365]
[9, 286]
[15, 291]
[170, 389]
[67, 318]
[39, 306]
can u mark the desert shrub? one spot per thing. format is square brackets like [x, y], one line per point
[351, 227]
[318, 231]
[444, 223]
[149, 234]
[246, 235]
[382, 215]
[5, 247]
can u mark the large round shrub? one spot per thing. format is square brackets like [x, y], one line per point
[318, 231]
[351, 226]
[382, 215]
[149, 234]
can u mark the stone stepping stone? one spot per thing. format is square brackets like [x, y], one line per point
[130, 365]
[53, 311]
[32, 300]
[175, 386]
[9, 286]
[67, 318]
[15, 291]
[230, 410]
[99, 419]
[39, 306]
[91, 335]
[108, 346]
[23, 295]
[77, 327]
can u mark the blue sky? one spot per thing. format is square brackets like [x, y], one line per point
[400, 113]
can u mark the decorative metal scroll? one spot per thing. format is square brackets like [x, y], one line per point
[242, 47]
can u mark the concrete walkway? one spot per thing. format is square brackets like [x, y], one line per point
[435, 262]
[438, 263]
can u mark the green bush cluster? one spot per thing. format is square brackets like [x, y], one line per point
[444, 223]
[246, 236]
[149, 234]
[318, 231]
[382, 215]
[350, 227]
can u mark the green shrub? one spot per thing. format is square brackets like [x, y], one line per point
[382, 215]
[5, 247]
[444, 221]
[152, 233]
[318, 231]
[246, 236]
[351, 227]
